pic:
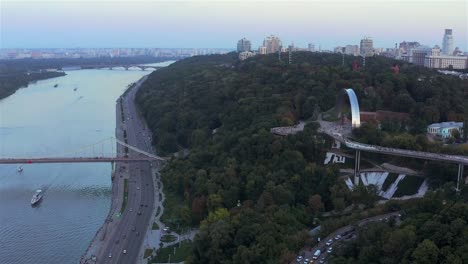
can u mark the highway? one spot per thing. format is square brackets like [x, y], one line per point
[128, 234]
[349, 230]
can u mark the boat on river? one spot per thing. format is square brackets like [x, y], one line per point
[36, 197]
[75, 89]
[20, 169]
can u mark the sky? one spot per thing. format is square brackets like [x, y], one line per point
[220, 24]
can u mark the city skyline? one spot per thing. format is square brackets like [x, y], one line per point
[187, 24]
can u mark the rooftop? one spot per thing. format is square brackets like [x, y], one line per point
[446, 125]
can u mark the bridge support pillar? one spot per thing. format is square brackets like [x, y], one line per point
[459, 176]
[357, 162]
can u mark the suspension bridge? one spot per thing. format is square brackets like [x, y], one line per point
[102, 151]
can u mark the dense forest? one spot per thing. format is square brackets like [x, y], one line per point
[434, 230]
[254, 194]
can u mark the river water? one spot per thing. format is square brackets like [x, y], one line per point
[43, 120]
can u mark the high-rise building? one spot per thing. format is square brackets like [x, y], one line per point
[367, 47]
[311, 47]
[352, 50]
[262, 50]
[338, 49]
[406, 46]
[447, 43]
[417, 55]
[243, 45]
[272, 43]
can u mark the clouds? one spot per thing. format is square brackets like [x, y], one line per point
[221, 24]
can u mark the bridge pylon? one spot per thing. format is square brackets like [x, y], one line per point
[357, 163]
[459, 176]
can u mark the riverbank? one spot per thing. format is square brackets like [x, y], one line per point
[126, 228]
[11, 82]
[119, 175]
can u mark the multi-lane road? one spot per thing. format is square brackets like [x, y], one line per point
[123, 243]
[307, 255]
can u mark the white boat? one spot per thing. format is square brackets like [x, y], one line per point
[20, 169]
[36, 197]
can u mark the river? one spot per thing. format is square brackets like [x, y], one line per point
[43, 120]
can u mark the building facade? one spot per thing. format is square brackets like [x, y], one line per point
[406, 46]
[352, 50]
[272, 43]
[262, 50]
[244, 45]
[445, 129]
[366, 47]
[446, 62]
[447, 43]
[311, 47]
[245, 54]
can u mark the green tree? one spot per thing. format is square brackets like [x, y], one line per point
[425, 253]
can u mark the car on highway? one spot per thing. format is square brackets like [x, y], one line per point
[329, 242]
[137, 233]
[133, 229]
[330, 249]
[110, 255]
[299, 258]
[124, 251]
[317, 254]
[139, 212]
[138, 188]
[338, 237]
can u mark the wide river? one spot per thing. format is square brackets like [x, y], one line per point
[43, 120]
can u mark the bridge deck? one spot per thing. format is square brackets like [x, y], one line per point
[400, 152]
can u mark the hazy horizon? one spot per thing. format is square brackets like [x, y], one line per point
[206, 24]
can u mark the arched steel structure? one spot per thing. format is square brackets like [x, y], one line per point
[353, 102]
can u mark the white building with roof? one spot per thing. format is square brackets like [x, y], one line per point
[445, 129]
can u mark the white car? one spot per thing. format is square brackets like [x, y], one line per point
[110, 255]
[330, 249]
[338, 237]
[125, 251]
[329, 242]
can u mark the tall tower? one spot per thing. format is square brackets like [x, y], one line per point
[243, 45]
[366, 47]
[272, 44]
[447, 43]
